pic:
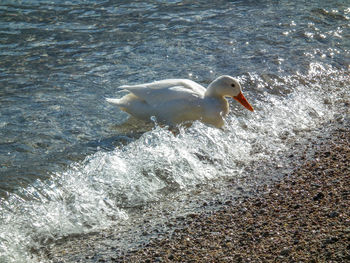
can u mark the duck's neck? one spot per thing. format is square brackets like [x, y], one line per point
[212, 92]
[223, 106]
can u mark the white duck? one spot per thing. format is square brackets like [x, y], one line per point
[175, 101]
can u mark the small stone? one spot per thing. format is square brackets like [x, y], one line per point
[285, 252]
[333, 214]
[228, 202]
[265, 234]
[327, 101]
[327, 154]
[258, 203]
[296, 206]
[238, 258]
[331, 240]
[262, 211]
[192, 215]
[319, 196]
[157, 259]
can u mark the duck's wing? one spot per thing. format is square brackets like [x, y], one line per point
[167, 90]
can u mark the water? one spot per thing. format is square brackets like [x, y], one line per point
[66, 165]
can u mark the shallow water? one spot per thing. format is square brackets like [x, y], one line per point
[70, 163]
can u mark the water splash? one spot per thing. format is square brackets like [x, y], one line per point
[97, 193]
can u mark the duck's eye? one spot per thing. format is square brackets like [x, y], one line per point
[233, 85]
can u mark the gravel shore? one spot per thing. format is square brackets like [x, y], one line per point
[304, 217]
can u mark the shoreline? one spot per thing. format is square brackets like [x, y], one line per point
[301, 217]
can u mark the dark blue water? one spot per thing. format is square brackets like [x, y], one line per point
[60, 140]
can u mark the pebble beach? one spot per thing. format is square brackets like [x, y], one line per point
[301, 217]
[305, 217]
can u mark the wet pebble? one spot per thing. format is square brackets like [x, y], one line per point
[319, 196]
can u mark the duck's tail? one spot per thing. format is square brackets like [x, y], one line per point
[113, 101]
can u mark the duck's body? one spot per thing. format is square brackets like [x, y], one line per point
[175, 101]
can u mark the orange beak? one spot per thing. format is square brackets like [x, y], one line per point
[241, 99]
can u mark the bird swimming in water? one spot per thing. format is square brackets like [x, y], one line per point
[176, 101]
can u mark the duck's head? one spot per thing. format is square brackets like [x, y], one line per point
[227, 86]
